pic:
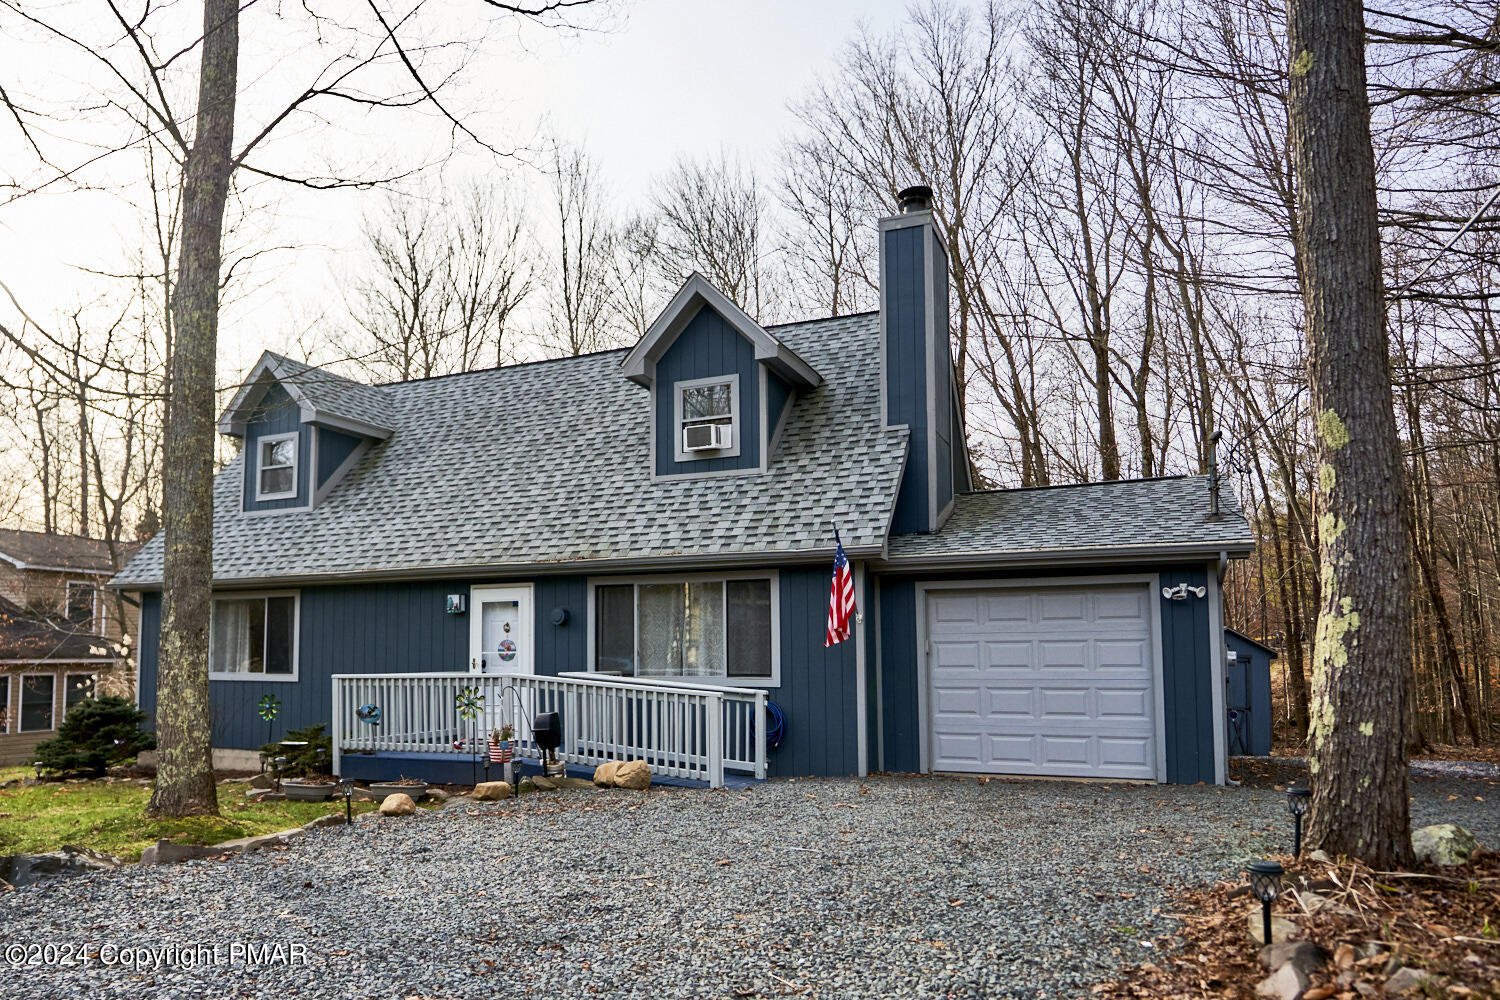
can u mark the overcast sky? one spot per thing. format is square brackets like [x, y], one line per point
[672, 78]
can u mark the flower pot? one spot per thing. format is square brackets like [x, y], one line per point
[307, 791]
[380, 789]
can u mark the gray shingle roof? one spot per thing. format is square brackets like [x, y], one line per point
[549, 463]
[38, 550]
[1165, 514]
[336, 396]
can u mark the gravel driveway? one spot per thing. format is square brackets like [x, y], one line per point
[898, 887]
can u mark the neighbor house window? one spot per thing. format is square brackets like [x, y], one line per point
[4, 703]
[76, 688]
[710, 628]
[254, 637]
[37, 692]
[707, 418]
[82, 596]
[276, 467]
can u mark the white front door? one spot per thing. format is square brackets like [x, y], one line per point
[1050, 680]
[500, 631]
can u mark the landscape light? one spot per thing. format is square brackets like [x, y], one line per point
[1298, 801]
[347, 786]
[1265, 883]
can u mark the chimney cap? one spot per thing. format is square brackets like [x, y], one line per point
[917, 198]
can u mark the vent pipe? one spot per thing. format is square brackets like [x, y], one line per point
[917, 198]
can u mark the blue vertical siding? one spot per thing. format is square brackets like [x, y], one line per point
[561, 648]
[147, 652]
[277, 413]
[1249, 694]
[942, 371]
[904, 303]
[708, 346]
[818, 689]
[334, 447]
[778, 396]
[902, 725]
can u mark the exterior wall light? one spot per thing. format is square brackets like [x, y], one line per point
[455, 604]
[1181, 592]
[1298, 801]
[1265, 883]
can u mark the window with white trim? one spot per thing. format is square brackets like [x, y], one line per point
[37, 694]
[276, 466]
[712, 628]
[76, 688]
[707, 412]
[82, 598]
[254, 637]
[4, 703]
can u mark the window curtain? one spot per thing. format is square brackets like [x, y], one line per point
[660, 630]
[230, 652]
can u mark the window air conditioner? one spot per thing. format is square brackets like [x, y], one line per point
[705, 437]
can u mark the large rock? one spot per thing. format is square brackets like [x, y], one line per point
[1408, 979]
[1286, 983]
[332, 819]
[398, 804]
[580, 783]
[544, 784]
[634, 774]
[261, 781]
[604, 774]
[437, 795]
[492, 791]
[1303, 954]
[1444, 844]
[165, 852]
[1281, 928]
[26, 869]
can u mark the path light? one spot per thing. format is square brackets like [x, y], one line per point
[1298, 801]
[347, 787]
[1265, 883]
[38, 766]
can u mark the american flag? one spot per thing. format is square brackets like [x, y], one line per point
[840, 595]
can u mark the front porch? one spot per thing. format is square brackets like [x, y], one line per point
[434, 726]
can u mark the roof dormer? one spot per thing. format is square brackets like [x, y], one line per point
[303, 429]
[721, 386]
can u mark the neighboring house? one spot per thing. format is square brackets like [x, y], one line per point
[63, 635]
[668, 511]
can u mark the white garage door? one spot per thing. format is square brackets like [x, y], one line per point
[1042, 680]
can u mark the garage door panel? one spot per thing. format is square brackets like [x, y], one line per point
[1045, 681]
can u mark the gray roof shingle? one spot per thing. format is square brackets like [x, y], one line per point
[549, 463]
[1163, 514]
[334, 395]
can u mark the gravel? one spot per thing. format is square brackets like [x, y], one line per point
[899, 887]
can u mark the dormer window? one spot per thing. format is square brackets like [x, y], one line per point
[707, 414]
[276, 467]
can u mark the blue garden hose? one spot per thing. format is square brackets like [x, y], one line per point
[775, 725]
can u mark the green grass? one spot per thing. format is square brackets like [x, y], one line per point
[109, 817]
[15, 773]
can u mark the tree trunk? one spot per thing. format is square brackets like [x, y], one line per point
[185, 776]
[1362, 651]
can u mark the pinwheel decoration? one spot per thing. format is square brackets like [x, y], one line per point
[368, 714]
[470, 702]
[269, 708]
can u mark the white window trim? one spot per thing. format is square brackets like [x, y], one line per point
[233, 595]
[736, 427]
[94, 615]
[67, 675]
[774, 681]
[260, 447]
[21, 691]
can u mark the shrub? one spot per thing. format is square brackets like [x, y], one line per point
[315, 758]
[96, 734]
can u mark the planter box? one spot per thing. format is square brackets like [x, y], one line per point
[302, 791]
[380, 789]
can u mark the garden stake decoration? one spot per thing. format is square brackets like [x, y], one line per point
[1265, 883]
[270, 707]
[1297, 801]
[470, 702]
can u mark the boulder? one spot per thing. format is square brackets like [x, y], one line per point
[1286, 983]
[604, 774]
[332, 819]
[165, 852]
[544, 784]
[437, 795]
[634, 774]
[1281, 928]
[398, 804]
[1303, 954]
[1443, 844]
[261, 781]
[492, 791]
[580, 783]
[19, 870]
[1408, 979]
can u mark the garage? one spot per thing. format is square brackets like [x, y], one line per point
[1040, 679]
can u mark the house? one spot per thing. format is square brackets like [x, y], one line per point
[63, 636]
[1251, 713]
[665, 515]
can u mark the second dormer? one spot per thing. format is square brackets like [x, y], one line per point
[303, 429]
[721, 386]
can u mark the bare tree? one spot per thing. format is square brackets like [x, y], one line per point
[710, 219]
[580, 291]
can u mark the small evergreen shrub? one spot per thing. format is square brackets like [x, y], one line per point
[98, 733]
[302, 762]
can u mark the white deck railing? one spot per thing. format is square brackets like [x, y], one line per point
[682, 729]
